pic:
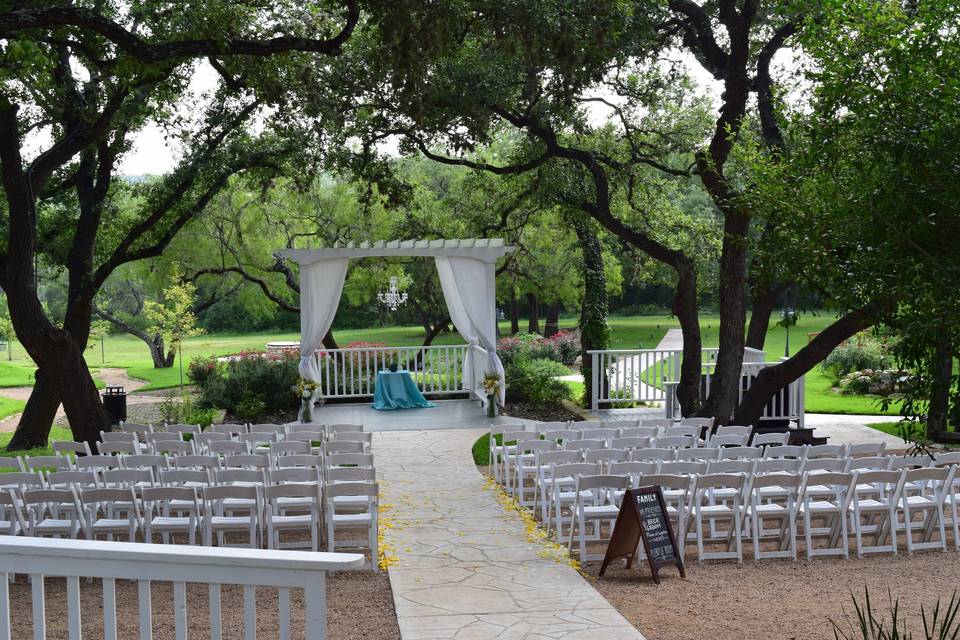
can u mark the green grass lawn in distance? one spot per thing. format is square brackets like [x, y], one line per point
[8, 407]
[56, 433]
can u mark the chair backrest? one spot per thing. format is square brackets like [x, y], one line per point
[639, 432]
[246, 461]
[871, 449]
[211, 436]
[297, 427]
[794, 451]
[115, 448]
[719, 481]
[937, 476]
[825, 465]
[950, 457]
[62, 479]
[584, 445]
[343, 428]
[909, 462]
[607, 455]
[15, 463]
[731, 466]
[342, 446]
[666, 481]
[219, 493]
[510, 437]
[64, 447]
[543, 427]
[698, 453]
[97, 462]
[305, 436]
[274, 492]
[266, 427]
[653, 453]
[154, 461]
[634, 442]
[770, 439]
[601, 432]
[50, 496]
[154, 497]
[682, 430]
[293, 474]
[875, 463]
[230, 476]
[128, 477]
[562, 435]
[839, 481]
[255, 438]
[178, 477]
[351, 474]
[228, 429]
[732, 430]
[21, 479]
[136, 427]
[289, 447]
[37, 463]
[778, 465]
[307, 460]
[889, 479]
[741, 453]
[698, 422]
[111, 494]
[597, 482]
[512, 427]
[676, 442]
[658, 423]
[194, 461]
[162, 436]
[227, 447]
[351, 459]
[175, 447]
[621, 424]
[789, 481]
[537, 446]
[683, 468]
[10, 502]
[118, 436]
[575, 469]
[633, 469]
[352, 436]
[182, 428]
[826, 451]
[369, 489]
[728, 440]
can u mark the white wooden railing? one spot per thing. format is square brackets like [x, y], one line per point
[650, 375]
[179, 564]
[352, 373]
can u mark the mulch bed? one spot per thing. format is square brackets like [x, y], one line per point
[540, 413]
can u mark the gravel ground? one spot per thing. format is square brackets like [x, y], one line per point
[359, 606]
[774, 599]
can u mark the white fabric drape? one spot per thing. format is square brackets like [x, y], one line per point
[469, 287]
[321, 284]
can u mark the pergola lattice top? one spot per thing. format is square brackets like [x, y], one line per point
[483, 249]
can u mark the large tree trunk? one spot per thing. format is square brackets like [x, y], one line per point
[514, 314]
[685, 308]
[725, 384]
[763, 301]
[941, 380]
[772, 379]
[33, 430]
[594, 330]
[533, 309]
[552, 325]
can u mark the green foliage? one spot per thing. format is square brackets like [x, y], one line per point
[943, 623]
[173, 317]
[536, 381]
[202, 368]
[855, 356]
[252, 384]
[914, 434]
[564, 347]
[481, 450]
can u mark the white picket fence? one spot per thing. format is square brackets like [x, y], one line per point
[352, 373]
[622, 376]
[178, 564]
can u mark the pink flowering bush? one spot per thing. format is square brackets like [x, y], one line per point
[563, 347]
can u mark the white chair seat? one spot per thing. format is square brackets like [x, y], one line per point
[285, 522]
[170, 522]
[348, 519]
[110, 524]
[820, 506]
[53, 525]
[219, 522]
[767, 508]
[918, 501]
[869, 504]
[716, 510]
[602, 512]
[351, 501]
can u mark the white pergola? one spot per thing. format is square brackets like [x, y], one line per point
[467, 270]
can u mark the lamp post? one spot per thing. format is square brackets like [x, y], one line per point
[788, 318]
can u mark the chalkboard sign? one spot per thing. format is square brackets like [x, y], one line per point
[643, 516]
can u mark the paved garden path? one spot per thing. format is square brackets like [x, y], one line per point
[464, 565]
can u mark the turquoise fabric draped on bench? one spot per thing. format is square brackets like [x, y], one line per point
[397, 390]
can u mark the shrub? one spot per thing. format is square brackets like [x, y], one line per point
[245, 377]
[850, 357]
[563, 347]
[201, 368]
[250, 408]
[885, 382]
[567, 345]
[536, 381]
[173, 409]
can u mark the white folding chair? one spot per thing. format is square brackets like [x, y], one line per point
[708, 509]
[230, 430]
[866, 449]
[21, 480]
[684, 468]
[170, 510]
[229, 508]
[703, 454]
[111, 512]
[66, 447]
[12, 464]
[153, 461]
[782, 509]
[692, 431]
[182, 428]
[173, 447]
[266, 427]
[770, 439]
[875, 496]
[137, 428]
[562, 492]
[826, 451]
[630, 443]
[96, 463]
[526, 467]
[653, 454]
[936, 483]
[639, 432]
[787, 451]
[675, 442]
[826, 495]
[607, 456]
[364, 519]
[201, 441]
[128, 478]
[344, 446]
[245, 461]
[118, 436]
[289, 447]
[278, 519]
[40, 463]
[45, 510]
[594, 504]
[741, 453]
[12, 521]
[731, 430]
[226, 447]
[728, 440]
[117, 448]
[546, 463]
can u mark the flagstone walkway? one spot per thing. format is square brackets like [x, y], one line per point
[464, 567]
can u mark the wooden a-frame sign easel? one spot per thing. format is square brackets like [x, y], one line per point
[643, 516]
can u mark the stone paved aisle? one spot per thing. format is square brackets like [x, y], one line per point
[465, 568]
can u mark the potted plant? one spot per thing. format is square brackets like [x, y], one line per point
[306, 390]
[491, 387]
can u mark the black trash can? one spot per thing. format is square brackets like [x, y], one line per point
[115, 403]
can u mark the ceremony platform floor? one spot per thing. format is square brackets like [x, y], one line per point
[464, 564]
[448, 414]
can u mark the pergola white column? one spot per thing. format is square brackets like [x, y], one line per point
[467, 269]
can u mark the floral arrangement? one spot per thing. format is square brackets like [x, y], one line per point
[305, 389]
[491, 384]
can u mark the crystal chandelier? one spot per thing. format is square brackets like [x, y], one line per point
[392, 298]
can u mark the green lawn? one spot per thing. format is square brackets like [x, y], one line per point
[127, 352]
[56, 433]
[9, 407]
